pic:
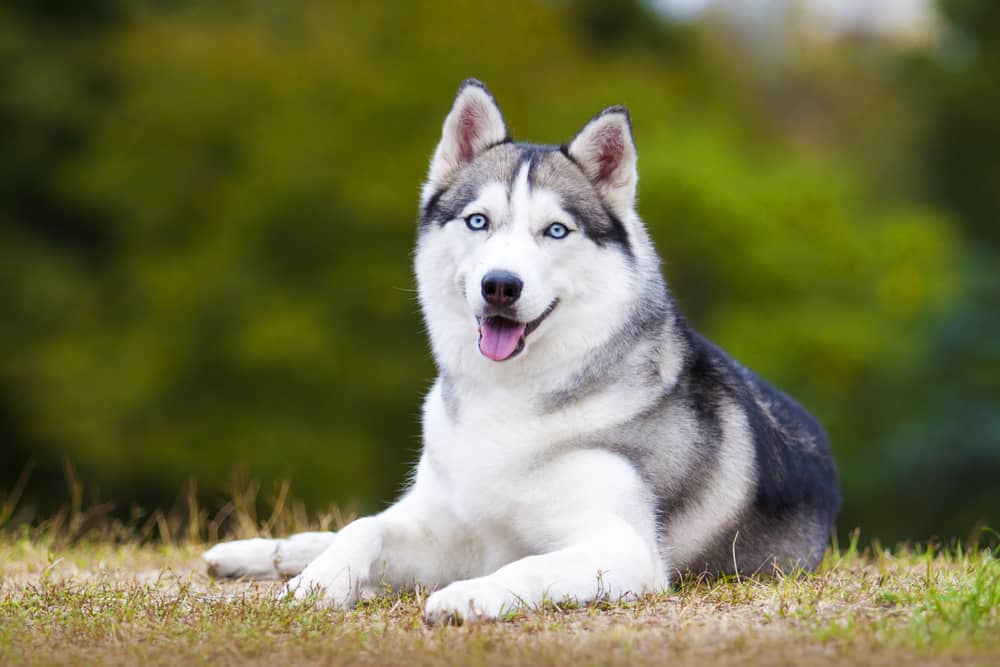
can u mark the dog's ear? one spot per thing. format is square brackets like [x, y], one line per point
[604, 149]
[473, 125]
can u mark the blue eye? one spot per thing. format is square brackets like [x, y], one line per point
[477, 222]
[557, 230]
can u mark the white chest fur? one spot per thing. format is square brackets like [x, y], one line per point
[512, 476]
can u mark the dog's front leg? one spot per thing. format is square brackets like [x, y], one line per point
[404, 545]
[610, 562]
[262, 558]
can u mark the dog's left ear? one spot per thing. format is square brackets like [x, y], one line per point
[473, 125]
[605, 151]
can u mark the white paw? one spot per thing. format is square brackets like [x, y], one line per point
[331, 586]
[473, 600]
[243, 558]
[294, 554]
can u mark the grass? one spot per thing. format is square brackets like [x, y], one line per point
[100, 603]
[76, 590]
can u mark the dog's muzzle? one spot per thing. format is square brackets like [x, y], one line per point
[502, 338]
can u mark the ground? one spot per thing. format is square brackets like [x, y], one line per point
[98, 602]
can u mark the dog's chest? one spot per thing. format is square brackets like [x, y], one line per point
[486, 463]
[499, 457]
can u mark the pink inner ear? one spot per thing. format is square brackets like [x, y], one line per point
[470, 126]
[610, 145]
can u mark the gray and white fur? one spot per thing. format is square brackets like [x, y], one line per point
[582, 441]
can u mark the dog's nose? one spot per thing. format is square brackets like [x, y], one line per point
[501, 288]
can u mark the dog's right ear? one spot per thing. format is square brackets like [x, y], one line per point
[473, 125]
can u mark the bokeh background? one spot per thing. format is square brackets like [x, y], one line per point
[207, 211]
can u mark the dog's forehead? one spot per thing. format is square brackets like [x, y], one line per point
[548, 168]
[497, 165]
[552, 170]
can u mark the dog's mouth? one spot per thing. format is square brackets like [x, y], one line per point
[502, 338]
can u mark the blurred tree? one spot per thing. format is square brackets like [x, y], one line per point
[944, 449]
[964, 135]
[52, 92]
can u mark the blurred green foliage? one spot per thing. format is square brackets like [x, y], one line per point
[207, 212]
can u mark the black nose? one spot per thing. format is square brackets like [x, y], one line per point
[501, 288]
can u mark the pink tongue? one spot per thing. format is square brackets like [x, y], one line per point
[498, 337]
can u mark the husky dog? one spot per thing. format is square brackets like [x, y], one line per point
[581, 441]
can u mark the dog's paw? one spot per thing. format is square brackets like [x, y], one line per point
[253, 558]
[294, 554]
[473, 600]
[327, 586]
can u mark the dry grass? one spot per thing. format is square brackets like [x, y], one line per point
[79, 591]
[99, 603]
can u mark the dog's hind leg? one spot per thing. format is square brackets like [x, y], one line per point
[264, 559]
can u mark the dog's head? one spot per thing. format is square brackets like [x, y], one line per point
[526, 250]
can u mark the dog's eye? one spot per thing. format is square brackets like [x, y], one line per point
[477, 222]
[557, 230]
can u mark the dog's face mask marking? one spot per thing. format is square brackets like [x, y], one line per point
[515, 236]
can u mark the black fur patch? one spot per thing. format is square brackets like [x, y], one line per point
[446, 204]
